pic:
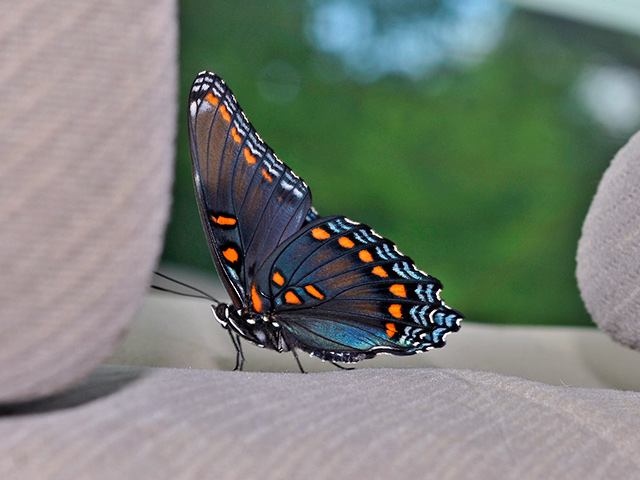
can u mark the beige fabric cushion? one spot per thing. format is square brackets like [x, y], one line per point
[124, 423]
[609, 251]
[87, 95]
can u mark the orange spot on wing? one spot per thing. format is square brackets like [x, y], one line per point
[277, 278]
[291, 297]
[255, 299]
[391, 329]
[266, 175]
[380, 271]
[345, 242]
[248, 157]
[395, 310]
[224, 113]
[211, 99]
[234, 133]
[398, 290]
[320, 234]
[230, 254]
[313, 291]
[365, 256]
[223, 220]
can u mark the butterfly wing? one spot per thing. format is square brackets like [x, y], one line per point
[249, 201]
[342, 292]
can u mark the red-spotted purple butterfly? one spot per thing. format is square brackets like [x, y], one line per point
[325, 285]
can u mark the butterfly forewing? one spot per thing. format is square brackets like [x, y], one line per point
[249, 200]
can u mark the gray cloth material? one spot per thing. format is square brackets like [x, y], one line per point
[87, 130]
[409, 423]
[609, 250]
[87, 139]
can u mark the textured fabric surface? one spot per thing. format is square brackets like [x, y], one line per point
[609, 250]
[414, 423]
[87, 94]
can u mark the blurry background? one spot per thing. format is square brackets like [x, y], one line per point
[472, 133]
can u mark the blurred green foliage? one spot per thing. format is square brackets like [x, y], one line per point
[482, 172]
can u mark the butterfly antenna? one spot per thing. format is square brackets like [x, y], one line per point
[176, 292]
[202, 293]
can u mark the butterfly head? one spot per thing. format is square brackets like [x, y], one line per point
[261, 330]
[222, 313]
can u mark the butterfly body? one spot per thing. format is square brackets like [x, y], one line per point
[328, 286]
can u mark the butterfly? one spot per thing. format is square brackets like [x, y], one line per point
[327, 286]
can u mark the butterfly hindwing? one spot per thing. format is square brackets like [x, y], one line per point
[343, 292]
[249, 200]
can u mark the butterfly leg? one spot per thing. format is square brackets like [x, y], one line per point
[335, 364]
[295, 355]
[239, 355]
